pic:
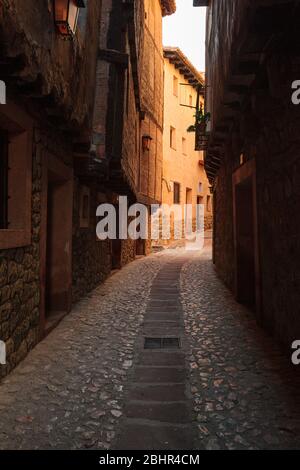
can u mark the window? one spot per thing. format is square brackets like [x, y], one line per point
[173, 138]
[16, 129]
[176, 193]
[3, 180]
[190, 100]
[200, 188]
[184, 148]
[175, 86]
[189, 196]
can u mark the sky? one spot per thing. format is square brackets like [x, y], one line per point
[186, 30]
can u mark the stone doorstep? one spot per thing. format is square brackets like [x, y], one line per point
[154, 375]
[172, 413]
[163, 316]
[164, 309]
[167, 332]
[165, 278]
[164, 305]
[165, 290]
[173, 312]
[146, 392]
[164, 325]
[148, 436]
[168, 275]
[159, 292]
[175, 320]
[164, 298]
[167, 319]
[161, 358]
[174, 284]
[167, 327]
[166, 282]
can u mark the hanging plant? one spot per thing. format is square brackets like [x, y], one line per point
[201, 121]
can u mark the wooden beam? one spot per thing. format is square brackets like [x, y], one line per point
[114, 57]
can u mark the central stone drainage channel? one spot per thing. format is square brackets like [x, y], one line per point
[158, 411]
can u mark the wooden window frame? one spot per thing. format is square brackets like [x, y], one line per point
[12, 118]
[176, 194]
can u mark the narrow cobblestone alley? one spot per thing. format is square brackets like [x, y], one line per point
[91, 384]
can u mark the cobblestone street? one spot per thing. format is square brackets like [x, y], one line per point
[91, 384]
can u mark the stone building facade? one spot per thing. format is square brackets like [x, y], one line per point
[252, 159]
[184, 179]
[65, 147]
[130, 69]
[50, 99]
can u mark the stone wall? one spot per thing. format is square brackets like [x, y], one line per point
[225, 20]
[38, 58]
[91, 257]
[276, 151]
[128, 251]
[252, 61]
[20, 283]
[223, 227]
[131, 135]
[268, 131]
[208, 222]
[152, 100]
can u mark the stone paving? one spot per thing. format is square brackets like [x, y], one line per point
[68, 392]
[158, 406]
[90, 382]
[246, 392]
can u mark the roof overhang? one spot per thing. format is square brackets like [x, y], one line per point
[185, 67]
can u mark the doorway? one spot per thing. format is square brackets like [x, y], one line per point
[140, 249]
[56, 243]
[245, 234]
[188, 196]
[116, 244]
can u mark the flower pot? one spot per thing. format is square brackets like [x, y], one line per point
[201, 128]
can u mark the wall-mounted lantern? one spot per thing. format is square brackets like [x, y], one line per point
[66, 15]
[146, 142]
